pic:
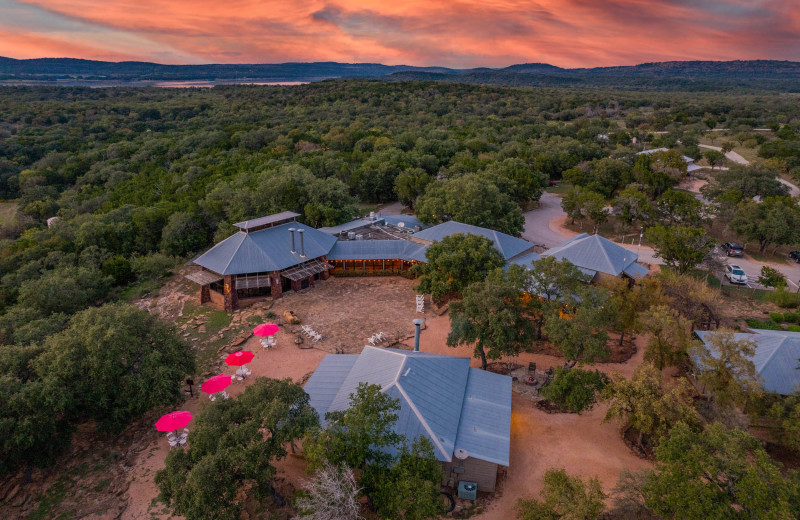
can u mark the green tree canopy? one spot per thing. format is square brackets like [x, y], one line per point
[564, 498]
[643, 405]
[681, 248]
[725, 368]
[233, 446]
[581, 332]
[116, 362]
[455, 262]
[773, 221]
[470, 199]
[718, 473]
[492, 317]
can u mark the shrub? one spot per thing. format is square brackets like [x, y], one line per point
[119, 268]
[152, 267]
[574, 389]
[784, 298]
[794, 328]
[777, 317]
[766, 324]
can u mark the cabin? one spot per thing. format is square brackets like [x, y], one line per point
[776, 357]
[266, 257]
[465, 412]
[598, 258]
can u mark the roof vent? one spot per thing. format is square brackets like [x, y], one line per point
[461, 454]
[417, 324]
[291, 232]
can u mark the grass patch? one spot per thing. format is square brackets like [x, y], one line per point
[767, 258]
[49, 501]
[561, 188]
[8, 212]
[744, 293]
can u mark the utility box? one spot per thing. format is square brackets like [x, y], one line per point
[467, 490]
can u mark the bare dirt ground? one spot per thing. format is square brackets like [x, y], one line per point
[346, 311]
[582, 444]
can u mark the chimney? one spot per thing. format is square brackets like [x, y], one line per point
[302, 246]
[291, 231]
[417, 324]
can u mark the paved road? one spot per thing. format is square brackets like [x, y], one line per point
[537, 222]
[542, 229]
[732, 156]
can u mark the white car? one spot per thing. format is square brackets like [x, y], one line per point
[735, 274]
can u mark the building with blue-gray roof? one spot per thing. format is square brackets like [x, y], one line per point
[465, 412]
[776, 358]
[598, 257]
[275, 253]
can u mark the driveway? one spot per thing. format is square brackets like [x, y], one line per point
[538, 222]
[794, 191]
[543, 226]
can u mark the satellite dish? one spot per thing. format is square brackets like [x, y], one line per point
[401, 224]
[461, 454]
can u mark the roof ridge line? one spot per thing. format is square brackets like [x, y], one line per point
[424, 423]
[230, 259]
[777, 348]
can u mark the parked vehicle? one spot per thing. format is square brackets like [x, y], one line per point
[733, 249]
[735, 274]
[795, 255]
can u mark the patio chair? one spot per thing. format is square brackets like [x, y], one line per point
[371, 341]
[225, 395]
[317, 337]
[172, 443]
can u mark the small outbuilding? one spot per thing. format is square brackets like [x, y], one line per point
[465, 412]
[776, 358]
[598, 257]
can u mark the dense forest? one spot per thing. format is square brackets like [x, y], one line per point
[140, 178]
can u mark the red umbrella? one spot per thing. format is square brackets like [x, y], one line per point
[173, 421]
[265, 329]
[240, 358]
[216, 384]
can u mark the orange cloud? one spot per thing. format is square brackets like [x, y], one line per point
[461, 33]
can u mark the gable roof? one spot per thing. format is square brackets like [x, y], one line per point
[265, 250]
[378, 250]
[438, 398]
[593, 253]
[507, 245]
[775, 359]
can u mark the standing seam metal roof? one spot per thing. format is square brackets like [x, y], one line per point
[440, 396]
[378, 250]
[507, 245]
[594, 253]
[265, 250]
[775, 359]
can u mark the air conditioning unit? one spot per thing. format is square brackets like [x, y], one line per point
[467, 490]
[359, 237]
[351, 236]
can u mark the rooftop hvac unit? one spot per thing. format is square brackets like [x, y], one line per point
[359, 237]
[467, 490]
[417, 229]
[351, 236]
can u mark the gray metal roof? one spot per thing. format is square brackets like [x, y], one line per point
[437, 397]
[524, 260]
[353, 224]
[636, 271]
[327, 379]
[265, 250]
[378, 250]
[507, 245]
[269, 219]
[776, 357]
[485, 426]
[408, 221]
[595, 253]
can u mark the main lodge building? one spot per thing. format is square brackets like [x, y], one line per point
[273, 254]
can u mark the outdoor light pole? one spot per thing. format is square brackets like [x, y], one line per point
[641, 234]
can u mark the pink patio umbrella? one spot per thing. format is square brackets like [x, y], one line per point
[216, 384]
[266, 329]
[173, 421]
[240, 358]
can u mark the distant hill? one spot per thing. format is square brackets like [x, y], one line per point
[699, 75]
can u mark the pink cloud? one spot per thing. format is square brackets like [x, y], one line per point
[463, 33]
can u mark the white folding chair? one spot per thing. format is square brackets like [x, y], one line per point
[173, 443]
[371, 341]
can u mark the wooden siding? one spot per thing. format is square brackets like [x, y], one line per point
[475, 470]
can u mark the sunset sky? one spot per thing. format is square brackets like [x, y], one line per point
[467, 33]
